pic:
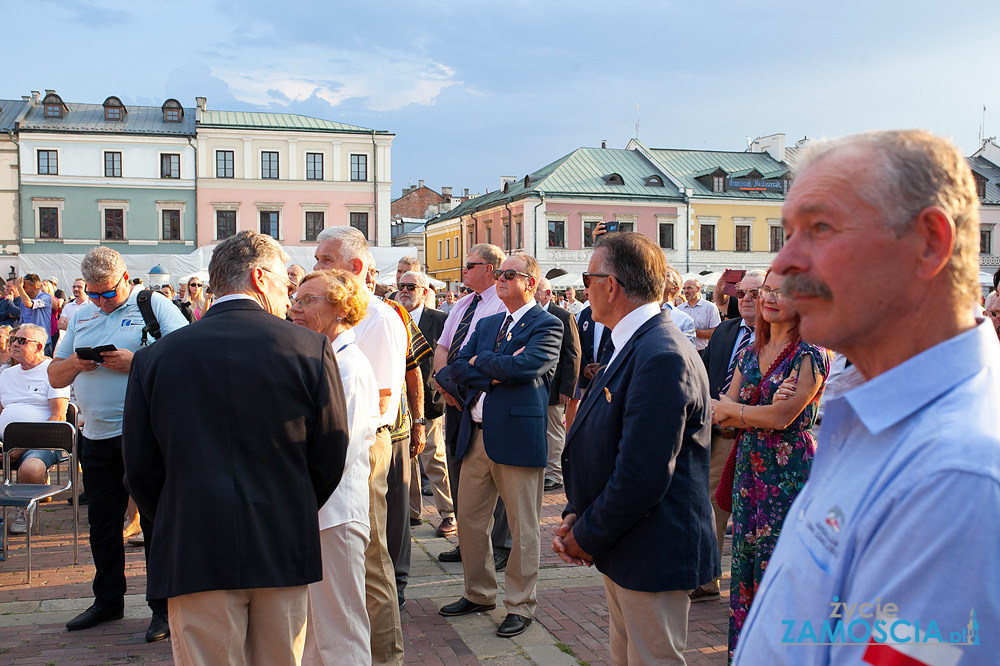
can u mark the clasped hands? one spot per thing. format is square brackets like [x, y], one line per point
[565, 546]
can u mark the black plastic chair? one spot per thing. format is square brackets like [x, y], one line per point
[53, 435]
[72, 418]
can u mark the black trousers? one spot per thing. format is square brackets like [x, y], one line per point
[397, 513]
[107, 501]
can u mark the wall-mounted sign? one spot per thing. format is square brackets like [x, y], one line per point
[755, 185]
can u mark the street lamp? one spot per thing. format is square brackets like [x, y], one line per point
[158, 275]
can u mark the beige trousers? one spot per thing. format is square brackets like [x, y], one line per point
[380, 578]
[521, 489]
[555, 433]
[339, 633]
[647, 628]
[257, 627]
[435, 460]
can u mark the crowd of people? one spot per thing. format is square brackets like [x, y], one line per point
[321, 400]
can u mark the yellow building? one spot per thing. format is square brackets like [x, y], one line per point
[443, 255]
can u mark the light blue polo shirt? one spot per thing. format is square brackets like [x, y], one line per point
[900, 516]
[101, 393]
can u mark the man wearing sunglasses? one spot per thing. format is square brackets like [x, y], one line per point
[112, 317]
[720, 356]
[506, 370]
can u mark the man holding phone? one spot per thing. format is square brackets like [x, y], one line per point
[112, 317]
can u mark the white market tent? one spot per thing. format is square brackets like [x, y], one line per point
[567, 280]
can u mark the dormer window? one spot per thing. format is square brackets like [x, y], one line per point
[718, 183]
[114, 109]
[53, 111]
[980, 186]
[53, 106]
[173, 112]
[614, 179]
[654, 181]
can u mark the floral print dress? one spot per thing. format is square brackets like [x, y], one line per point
[771, 468]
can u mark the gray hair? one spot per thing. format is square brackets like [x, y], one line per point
[914, 170]
[411, 261]
[234, 259]
[491, 253]
[531, 267]
[43, 335]
[102, 264]
[756, 272]
[417, 278]
[637, 263]
[353, 244]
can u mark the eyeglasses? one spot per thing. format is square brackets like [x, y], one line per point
[194, 284]
[408, 286]
[307, 300]
[768, 292]
[23, 341]
[588, 276]
[284, 278]
[469, 265]
[752, 293]
[508, 274]
[993, 313]
[111, 293]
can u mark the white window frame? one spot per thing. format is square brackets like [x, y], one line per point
[38, 203]
[315, 208]
[106, 204]
[215, 218]
[672, 221]
[440, 249]
[170, 205]
[159, 163]
[712, 221]
[564, 218]
[271, 208]
[584, 219]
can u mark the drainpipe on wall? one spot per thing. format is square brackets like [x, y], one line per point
[195, 147]
[534, 222]
[20, 204]
[510, 223]
[375, 179]
[687, 230]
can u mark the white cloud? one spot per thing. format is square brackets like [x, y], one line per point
[388, 80]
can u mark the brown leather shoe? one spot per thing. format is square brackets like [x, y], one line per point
[447, 527]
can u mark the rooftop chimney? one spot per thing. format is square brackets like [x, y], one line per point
[420, 185]
[50, 92]
[200, 102]
[466, 195]
[446, 192]
[34, 97]
[604, 143]
[25, 98]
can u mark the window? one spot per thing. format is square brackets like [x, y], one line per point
[171, 115]
[112, 165]
[314, 166]
[470, 237]
[447, 248]
[440, 253]
[654, 181]
[225, 224]
[980, 186]
[588, 232]
[457, 247]
[666, 235]
[626, 226]
[506, 236]
[114, 224]
[360, 222]
[170, 165]
[985, 241]
[489, 233]
[269, 223]
[518, 235]
[359, 167]
[315, 221]
[718, 184]
[112, 113]
[48, 162]
[614, 179]
[48, 223]
[171, 224]
[269, 165]
[707, 237]
[53, 110]
[777, 238]
[742, 238]
[225, 161]
[557, 233]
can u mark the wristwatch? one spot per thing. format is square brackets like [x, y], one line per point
[420, 421]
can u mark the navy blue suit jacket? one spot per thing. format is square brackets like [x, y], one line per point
[586, 326]
[515, 411]
[636, 465]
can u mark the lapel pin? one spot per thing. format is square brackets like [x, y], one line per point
[607, 394]
[508, 337]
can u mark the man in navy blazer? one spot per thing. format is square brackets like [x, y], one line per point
[506, 369]
[636, 463]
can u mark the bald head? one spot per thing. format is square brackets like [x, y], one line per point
[543, 292]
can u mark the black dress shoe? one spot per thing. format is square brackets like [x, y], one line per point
[416, 522]
[463, 607]
[159, 629]
[92, 617]
[453, 555]
[551, 485]
[500, 561]
[513, 625]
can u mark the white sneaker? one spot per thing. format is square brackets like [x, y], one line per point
[20, 523]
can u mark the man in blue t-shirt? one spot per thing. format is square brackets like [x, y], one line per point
[112, 317]
[36, 305]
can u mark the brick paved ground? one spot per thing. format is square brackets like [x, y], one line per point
[571, 626]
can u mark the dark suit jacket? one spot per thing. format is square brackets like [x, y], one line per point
[515, 411]
[586, 326]
[261, 447]
[431, 325]
[568, 369]
[716, 354]
[636, 465]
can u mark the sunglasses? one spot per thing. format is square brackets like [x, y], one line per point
[98, 295]
[508, 274]
[408, 286]
[587, 277]
[194, 284]
[469, 265]
[752, 293]
[23, 341]
[767, 292]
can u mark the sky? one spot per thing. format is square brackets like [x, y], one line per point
[477, 90]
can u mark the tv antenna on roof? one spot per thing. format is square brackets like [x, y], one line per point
[637, 121]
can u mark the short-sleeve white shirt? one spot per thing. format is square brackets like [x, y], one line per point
[381, 336]
[25, 394]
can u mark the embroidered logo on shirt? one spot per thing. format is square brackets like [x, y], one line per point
[833, 517]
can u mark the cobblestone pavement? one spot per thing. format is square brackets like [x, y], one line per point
[571, 627]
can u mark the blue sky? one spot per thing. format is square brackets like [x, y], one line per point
[475, 90]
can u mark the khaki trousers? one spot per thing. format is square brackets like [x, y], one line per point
[521, 489]
[339, 633]
[435, 461]
[647, 628]
[380, 580]
[257, 627]
[555, 433]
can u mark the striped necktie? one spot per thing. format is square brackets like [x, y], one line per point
[503, 332]
[463, 328]
[744, 343]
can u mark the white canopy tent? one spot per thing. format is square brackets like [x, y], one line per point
[567, 280]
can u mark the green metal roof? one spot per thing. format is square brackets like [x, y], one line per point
[282, 121]
[687, 165]
[581, 173]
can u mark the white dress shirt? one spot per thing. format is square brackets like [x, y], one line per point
[629, 324]
[381, 335]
